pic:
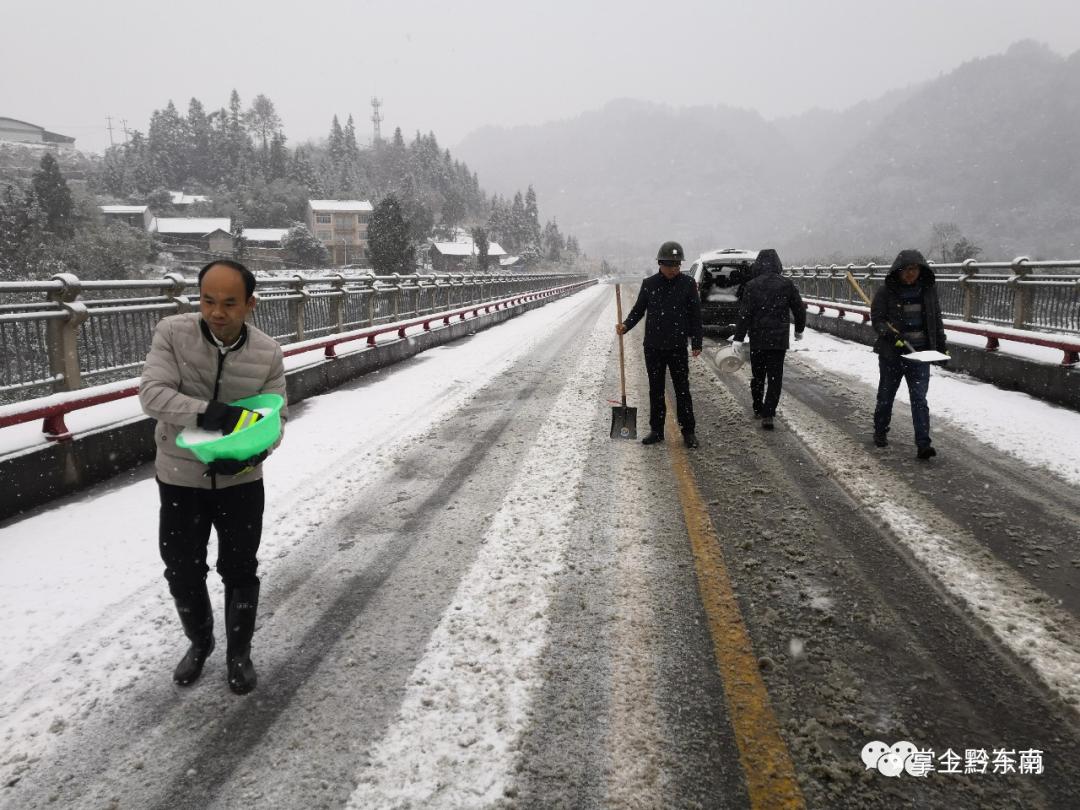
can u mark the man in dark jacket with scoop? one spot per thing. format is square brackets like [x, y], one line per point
[674, 315]
[907, 316]
[767, 307]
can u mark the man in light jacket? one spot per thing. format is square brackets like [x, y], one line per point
[198, 363]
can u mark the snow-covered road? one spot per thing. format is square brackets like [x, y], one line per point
[473, 597]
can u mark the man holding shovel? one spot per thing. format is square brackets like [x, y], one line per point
[674, 315]
[907, 317]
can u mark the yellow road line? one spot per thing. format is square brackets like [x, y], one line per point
[766, 763]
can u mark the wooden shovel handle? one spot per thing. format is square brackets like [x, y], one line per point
[622, 359]
[858, 289]
[862, 295]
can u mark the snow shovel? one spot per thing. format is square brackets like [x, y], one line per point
[623, 419]
[928, 356]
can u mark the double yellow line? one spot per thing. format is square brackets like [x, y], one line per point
[766, 763]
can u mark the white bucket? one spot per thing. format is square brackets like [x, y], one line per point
[726, 359]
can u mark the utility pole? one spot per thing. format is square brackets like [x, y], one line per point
[376, 118]
[108, 121]
[123, 123]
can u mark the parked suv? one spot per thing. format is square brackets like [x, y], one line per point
[719, 291]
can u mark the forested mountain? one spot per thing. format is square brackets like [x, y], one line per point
[990, 146]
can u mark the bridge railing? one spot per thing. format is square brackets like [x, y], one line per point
[65, 333]
[1021, 294]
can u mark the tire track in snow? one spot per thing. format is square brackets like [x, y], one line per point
[455, 742]
[1020, 616]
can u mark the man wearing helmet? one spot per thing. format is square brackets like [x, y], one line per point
[671, 302]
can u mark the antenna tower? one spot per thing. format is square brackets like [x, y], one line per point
[376, 118]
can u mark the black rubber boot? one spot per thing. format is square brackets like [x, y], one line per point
[767, 423]
[881, 440]
[197, 618]
[241, 607]
[925, 453]
[653, 437]
[690, 440]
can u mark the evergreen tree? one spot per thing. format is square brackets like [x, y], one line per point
[302, 173]
[480, 239]
[262, 119]
[519, 223]
[239, 242]
[303, 248]
[167, 146]
[336, 146]
[278, 162]
[241, 157]
[453, 211]
[532, 217]
[199, 154]
[114, 172]
[143, 177]
[53, 196]
[388, 237]
[23, 240]
[553, 242]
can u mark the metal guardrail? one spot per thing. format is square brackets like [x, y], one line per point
[1021, 294]
[65, 333]
[52, 409]
[1070, 347]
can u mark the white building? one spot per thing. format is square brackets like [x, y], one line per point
[342, 226]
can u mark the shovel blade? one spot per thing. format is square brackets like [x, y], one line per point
[928, 356]
[623, 422]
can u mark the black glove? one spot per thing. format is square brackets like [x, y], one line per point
[226, 418]
[232, 466]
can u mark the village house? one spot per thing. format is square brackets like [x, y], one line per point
[213, 234]
[461, 255]
[342, 226]
[137, 216]
[11, 129]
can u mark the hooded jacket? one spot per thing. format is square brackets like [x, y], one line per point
[768, 305]
[887, 307]
[184, 371]
[674, 312]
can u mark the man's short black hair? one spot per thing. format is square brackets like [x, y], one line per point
[247, 275]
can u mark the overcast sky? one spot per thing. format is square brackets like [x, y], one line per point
[451, 67]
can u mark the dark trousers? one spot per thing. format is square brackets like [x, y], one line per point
[891, 371]
[187, 515]
[766, 369]
[657, 361]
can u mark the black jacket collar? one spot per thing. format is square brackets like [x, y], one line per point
[209, 336]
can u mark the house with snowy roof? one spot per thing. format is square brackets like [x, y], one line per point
[342, 226]
[265, 237]
[180, 198]
[12, 129]
[137, 216]
[210, 233]
[460, 255]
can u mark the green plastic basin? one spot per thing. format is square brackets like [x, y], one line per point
[245, 443]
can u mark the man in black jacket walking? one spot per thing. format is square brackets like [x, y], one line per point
[671, 302]
[766, 308]
[908, 303]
